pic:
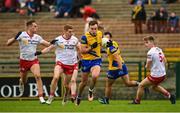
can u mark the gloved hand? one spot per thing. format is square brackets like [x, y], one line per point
[109, 43]
[53, 41]
[37, 53]
[94, 45]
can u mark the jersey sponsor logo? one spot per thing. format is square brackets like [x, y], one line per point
[69, 47]
[25, 41]
[61, 46]
[33, 41]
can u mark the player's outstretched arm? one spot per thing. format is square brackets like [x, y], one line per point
[10, 41]
[45, 50]
[45, 43]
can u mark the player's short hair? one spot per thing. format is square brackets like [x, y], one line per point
[94, 22]
[108, 33]
[66, 27]
[30, 22]
[149, 38]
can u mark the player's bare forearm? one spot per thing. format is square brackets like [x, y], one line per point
[46, 43]
[10, 41]
[47, 49]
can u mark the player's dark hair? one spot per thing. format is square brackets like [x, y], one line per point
[94, 22]
[66, 27]
[108, 33]
[30, 22]
[149, 38]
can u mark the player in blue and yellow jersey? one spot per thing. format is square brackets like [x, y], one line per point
[116, 68]
[90, 59]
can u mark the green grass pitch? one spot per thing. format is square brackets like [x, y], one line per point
[86, 106]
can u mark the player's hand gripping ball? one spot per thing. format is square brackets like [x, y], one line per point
[104, 42]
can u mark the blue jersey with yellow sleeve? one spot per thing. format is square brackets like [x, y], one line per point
[88, 40]
[113, 65]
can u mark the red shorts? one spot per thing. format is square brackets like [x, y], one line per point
[67, 69]
[25, 65]
[156, 80]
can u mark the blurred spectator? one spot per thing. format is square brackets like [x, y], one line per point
[143, 1]
[50, 4]
[173, 23]
[77, 4]
[162, 17]
[10, 6]
[151, 23]
[22, 3]
[87, 2]
[45, 5]
[32, 7]
[63, 8]
[138, 17]
[39, 4]
[1, 4]
[170, 1]
[132, 1]
[149, 1]
[88, 11]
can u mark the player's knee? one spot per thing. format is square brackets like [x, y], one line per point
[66, 85]
[140, 86]
[73, 81]
[55, 79]
[84, 83]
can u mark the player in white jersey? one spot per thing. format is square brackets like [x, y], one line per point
[156, 62]
[28, 42]
[67, 49]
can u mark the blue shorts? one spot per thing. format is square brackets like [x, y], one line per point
[88, 64]
[114, 74]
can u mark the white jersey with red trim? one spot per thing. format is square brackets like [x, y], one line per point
[66, 51]
[28, 45]
[156, 55]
